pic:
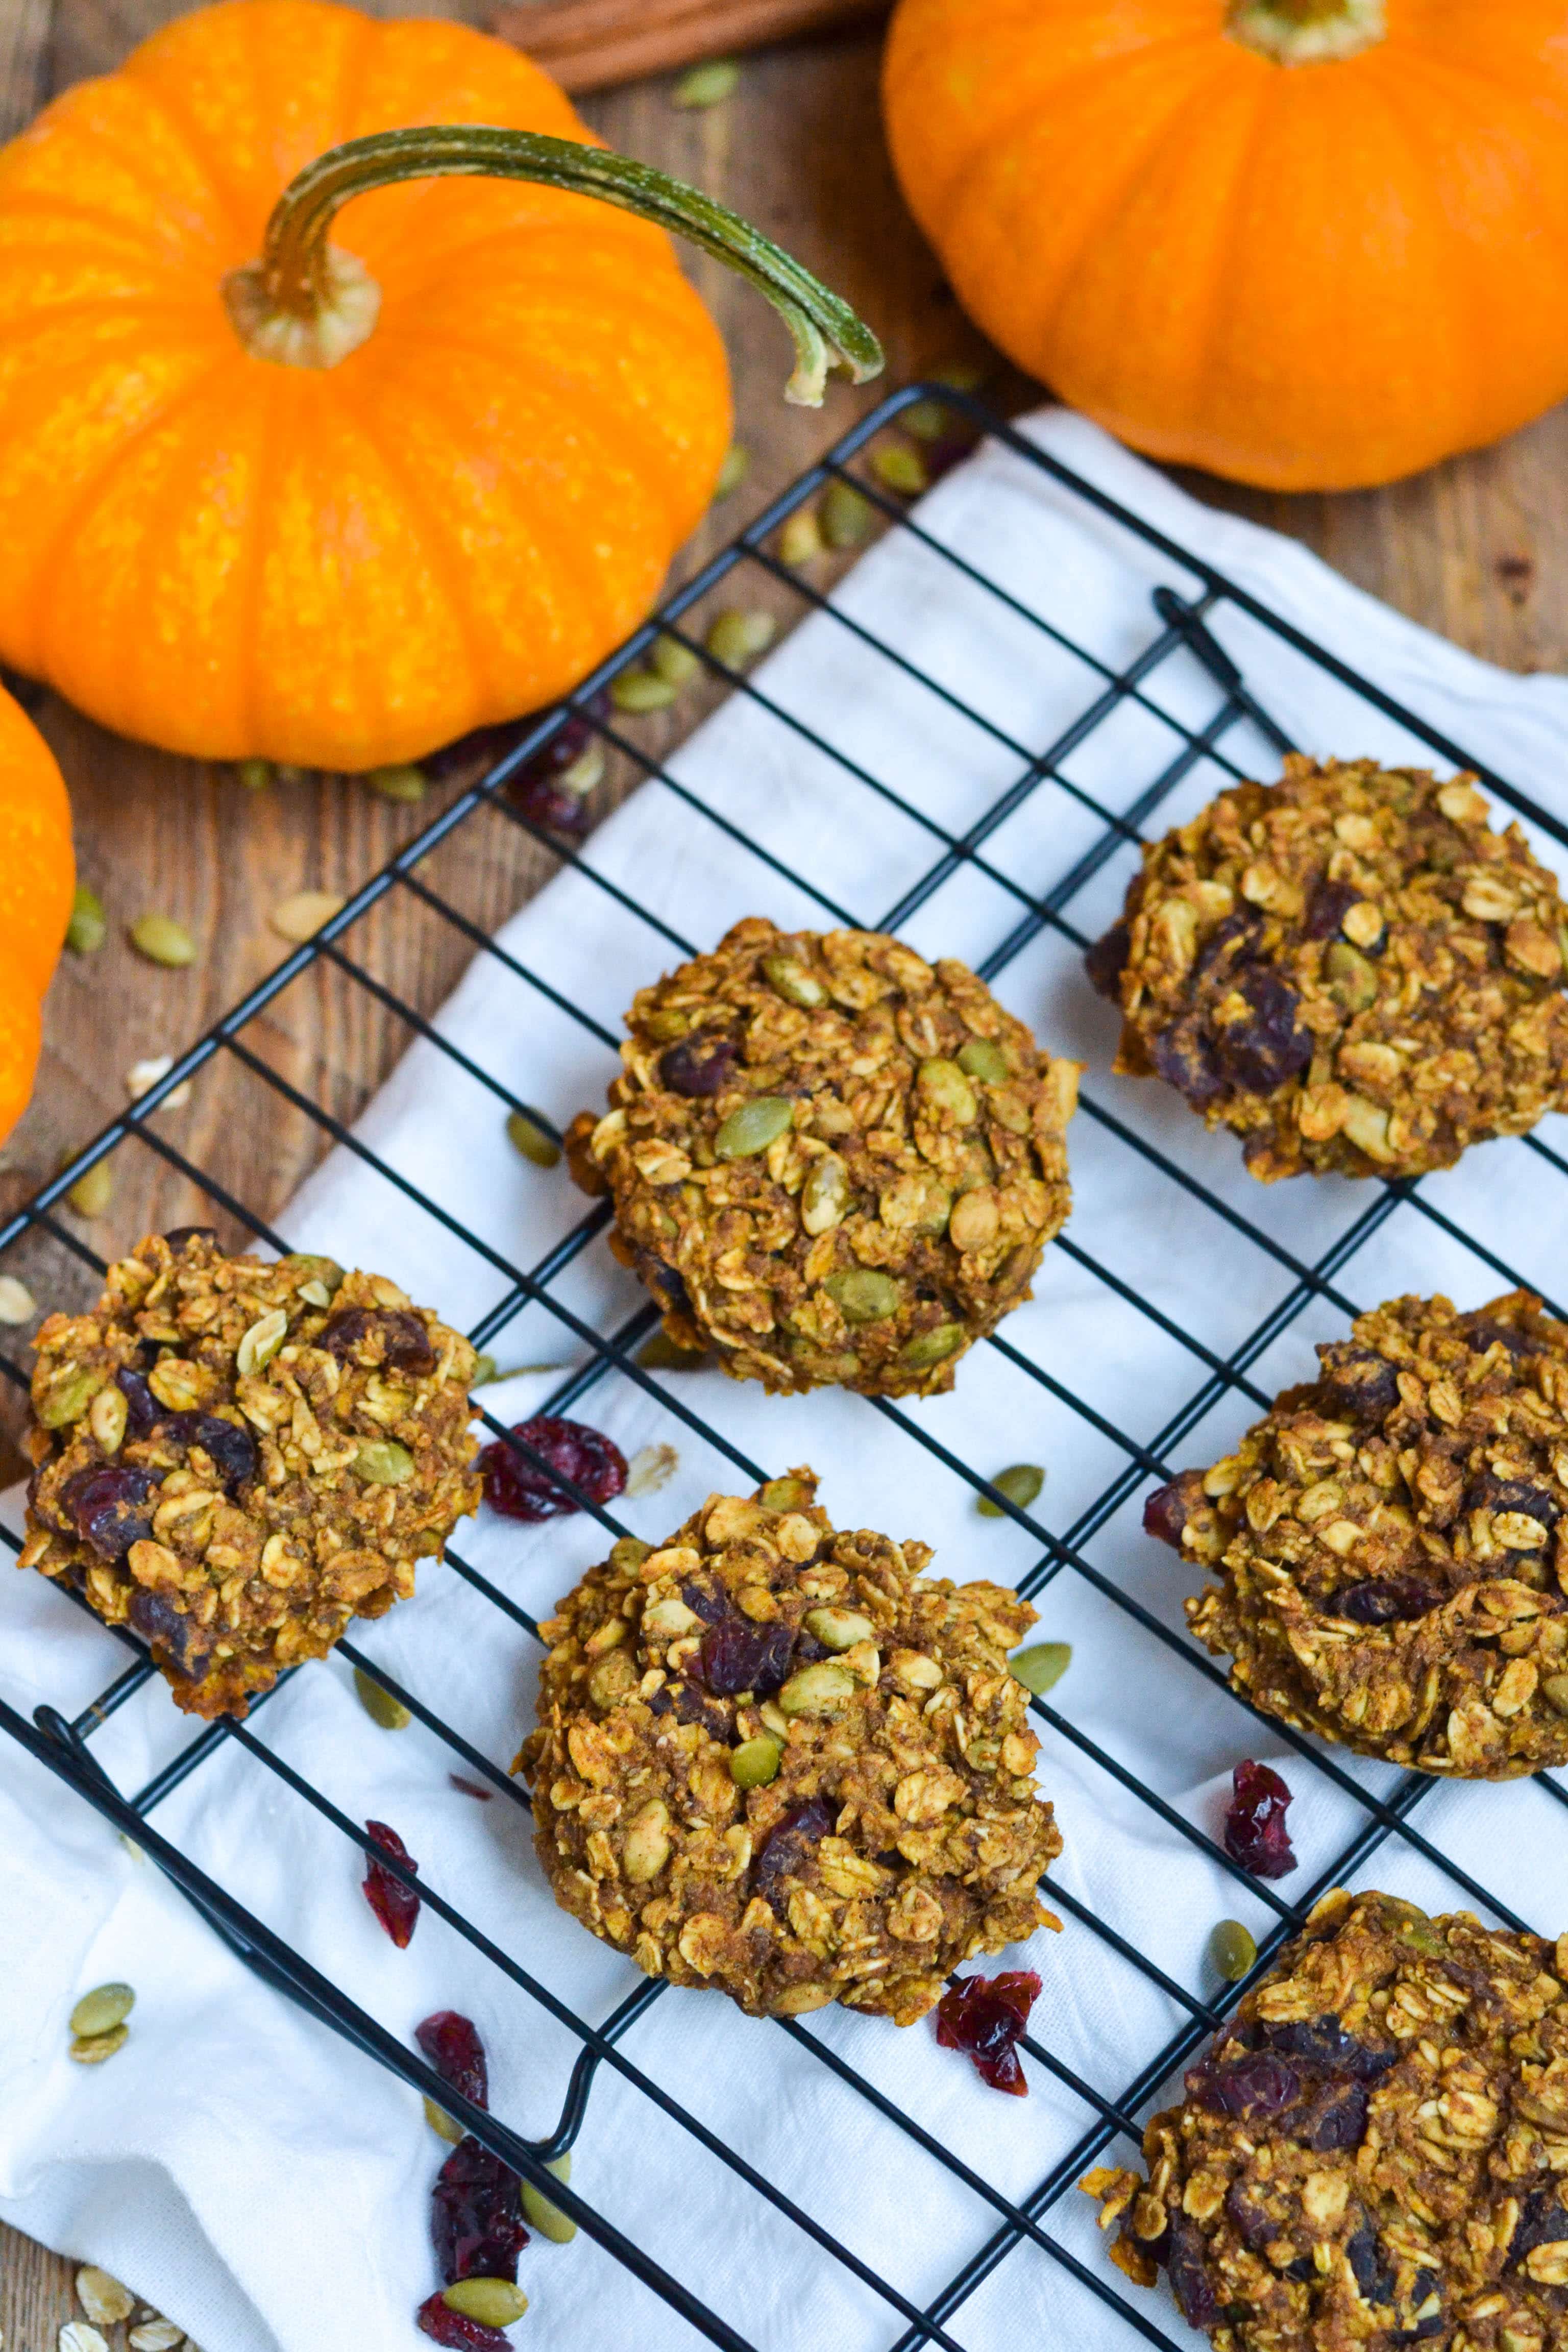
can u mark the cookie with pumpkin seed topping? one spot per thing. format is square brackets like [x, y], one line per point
[236, 1458]
[778, 1759]
[1349, 967]
[831, 1161]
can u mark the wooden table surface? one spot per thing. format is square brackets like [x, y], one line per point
[1477, 549]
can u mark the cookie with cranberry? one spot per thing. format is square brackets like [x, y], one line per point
[1349, 967]
[831, 1161]
[1390, 1541]
[779, 1759]
[236, 1458]
[1369, 2154]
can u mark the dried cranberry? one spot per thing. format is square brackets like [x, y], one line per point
[444, 2326]
[1323, 2041]
[1330, 904]
[1106, 961]
[985, 2016]
[1385, 1599]
[689, 1705]
[394, 1905]
[405, 1343]
[1542, 2222]
[699, 1065]
[1490, 1493]
[1334, 2116]
[476, 2215]
[1480, 1332]
[1254, 1832]
[228, 1444]
[1251, 2223]
[534, 790]
[1356, 1384]
[518, 1491]
[1190, 2284]
[142, 1407]
[1167, 1510]
[1229, 945]
[1427, 2284]
[737, 1656]
[451, 2043]
[1370, 2268]
[110, 1506]
[1250, 2087]
[176, 1637]
[788, 1847]
[1183, 1057]
[470, 1788]
[1262, 1053]
[707, 1604]
[178, 1235]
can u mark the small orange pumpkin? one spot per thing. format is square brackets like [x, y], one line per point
[265, 496]
[1310, 244]
[38, 879]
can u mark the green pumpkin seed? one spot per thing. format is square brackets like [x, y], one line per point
[326, 1271]
[17, 1304]
[162, 940]
[824, 1195]
[101, 2010]
[440, 2121]
[261, 1343]
[787, 1495]
[795, 982]
[928, 420]
[800, 541]
[526, 1135]
[706, 85]
[494, 2303]
[401, 781]
[256, 776]
[982, 1059]
[1041, 1668]
[639, 689]
[87, 930]
[662, 1354]
[585, 774]
[821, 1689]
[91, 1193]
[840, 1629]
[863, 1295]
[68, 1397]
[1352, 977]
[107, 1417]
[753, 1127]
[737, 638]
[737, 464]
[92, 2049]
[1020, 1485]
[755, 1763]
[548, 2219]
[628, 1552]
[932, 1347]
[946, 1090]
[847, 515]
[1233, 1949]
[380, 1704]
[899, 468]
[381, 1463]
[672, 660]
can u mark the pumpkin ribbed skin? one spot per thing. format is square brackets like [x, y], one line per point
[344, 566]
[1306, 276]
[38, 879]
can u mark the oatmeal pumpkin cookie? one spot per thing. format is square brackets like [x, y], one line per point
[1390, 1541]
[1371, 2153]
[235, 1458]
[779, 1760]
[1349, 967]
[830, 1160]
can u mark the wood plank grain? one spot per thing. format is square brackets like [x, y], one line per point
[1477, 549]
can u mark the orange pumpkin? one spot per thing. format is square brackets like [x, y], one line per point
[38, 879]
[1310, 244]
[334, 504]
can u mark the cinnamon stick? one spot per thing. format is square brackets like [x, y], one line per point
[592, 44]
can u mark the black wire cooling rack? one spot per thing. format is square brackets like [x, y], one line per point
[1184, 609]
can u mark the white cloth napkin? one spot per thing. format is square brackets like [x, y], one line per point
[267, 2185]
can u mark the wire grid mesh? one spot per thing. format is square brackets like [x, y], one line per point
[1226, 1370]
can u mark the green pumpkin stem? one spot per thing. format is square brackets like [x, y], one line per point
[1307, 32]
[308, 303]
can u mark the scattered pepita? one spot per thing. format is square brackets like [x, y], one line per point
[261, 1342]
[401, 781]
[649, 1469]
[899, 468]
[847, 515]
[585, 774]
[142, 1076]
[301, 915]
[380, 1704]
[381, 1462]
[441, 2123]
[493, 2302]
[91, 1193]
[1233, 1949]
[670, 660]
[706, 85]
[87, 930]
[628, 1552]
[737, 464]
[660, 1354]
[102, 2009]
[755, 1763]
[103, 2299]
[1020, 1485]
[256, 776]
[927, 420]
[800, 540]
[736, 638]
[162, 940]
[534, 1142]
[641, 689]
[1041, 1668]
[753, 1126]
[17, 1304]
[537, 2209]
[92, 2049]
